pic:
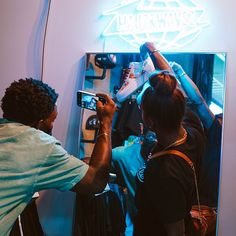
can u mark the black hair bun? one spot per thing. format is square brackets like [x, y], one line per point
[163, 83]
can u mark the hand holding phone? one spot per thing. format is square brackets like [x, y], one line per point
[100, 102]
[105, 111]
[88, 100]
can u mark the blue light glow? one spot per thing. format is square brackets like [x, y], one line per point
[168, 23]
[215, 108]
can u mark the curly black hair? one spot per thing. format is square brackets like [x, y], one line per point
[28, 101]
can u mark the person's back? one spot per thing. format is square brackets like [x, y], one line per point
[166, 181]
[32, 160]
[165, 186]
[28, 157]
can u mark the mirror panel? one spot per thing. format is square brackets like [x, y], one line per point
[105, 72]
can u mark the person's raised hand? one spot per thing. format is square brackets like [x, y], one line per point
[179, 71]
[105, 111]
[148, 47]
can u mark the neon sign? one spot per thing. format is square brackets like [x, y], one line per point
[170, 24]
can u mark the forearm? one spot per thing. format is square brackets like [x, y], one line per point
[190, 88]
[159, 60]
[101, 155]
[193, 93]
[97, 175]
[205, 114]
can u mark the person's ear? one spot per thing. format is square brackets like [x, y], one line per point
[45, 126]
[40, 124]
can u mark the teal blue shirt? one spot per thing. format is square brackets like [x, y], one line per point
[31, 161]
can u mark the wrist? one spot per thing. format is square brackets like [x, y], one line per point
[181, 74]
[104, 135]
[105, 126]
[153, 51]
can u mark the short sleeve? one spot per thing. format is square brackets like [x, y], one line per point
[60, 170]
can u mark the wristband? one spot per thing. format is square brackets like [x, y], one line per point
[152, 52]
[102, 134]
[183, 73]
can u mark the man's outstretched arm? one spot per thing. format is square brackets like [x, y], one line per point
[97, 175]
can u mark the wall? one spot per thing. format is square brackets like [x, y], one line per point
[74, 27]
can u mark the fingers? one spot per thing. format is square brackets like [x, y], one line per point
[109, 101]
[107, 109]
[171, 63]
[107, 98]
[99, 106]
[177, 68]
[148, 47]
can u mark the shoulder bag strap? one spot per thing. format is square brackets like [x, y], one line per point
[174, 152]
[187, 159]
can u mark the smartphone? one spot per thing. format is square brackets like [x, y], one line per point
[88, 100]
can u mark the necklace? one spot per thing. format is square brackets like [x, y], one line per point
[178, 141]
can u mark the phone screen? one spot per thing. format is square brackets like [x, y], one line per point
[87, 100]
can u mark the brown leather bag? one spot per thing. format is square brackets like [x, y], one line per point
[205, 222]
[203, 217]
